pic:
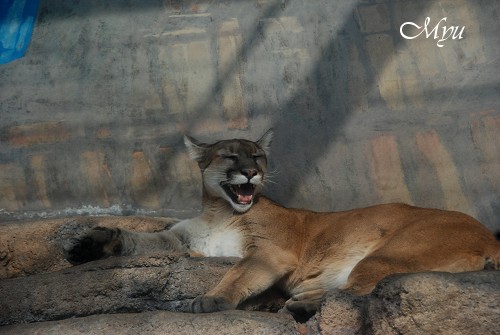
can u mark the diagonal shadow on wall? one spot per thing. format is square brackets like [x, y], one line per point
[304, 95]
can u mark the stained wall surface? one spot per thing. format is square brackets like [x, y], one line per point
[92, 118]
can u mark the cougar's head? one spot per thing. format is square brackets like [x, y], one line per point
[232, 169]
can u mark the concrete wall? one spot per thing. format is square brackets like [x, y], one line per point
[91, 119]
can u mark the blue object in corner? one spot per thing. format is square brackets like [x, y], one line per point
[17, 18]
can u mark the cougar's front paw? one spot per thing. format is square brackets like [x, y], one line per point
[97, 243]
[207, 304]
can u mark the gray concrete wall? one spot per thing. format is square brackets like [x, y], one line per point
[91, 119]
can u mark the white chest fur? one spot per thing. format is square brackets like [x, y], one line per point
[211, 240]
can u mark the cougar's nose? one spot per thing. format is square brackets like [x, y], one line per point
[249, 173]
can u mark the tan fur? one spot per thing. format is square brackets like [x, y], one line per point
[308, 253]
[303, 250]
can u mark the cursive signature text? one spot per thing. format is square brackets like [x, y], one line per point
[455, 32]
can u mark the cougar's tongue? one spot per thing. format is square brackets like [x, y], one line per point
[244, 199]
[245, 194]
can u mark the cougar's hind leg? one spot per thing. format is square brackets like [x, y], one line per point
[97, 243]
[305, 304]
[464, 262]
[369, 271]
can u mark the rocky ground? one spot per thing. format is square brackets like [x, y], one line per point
[41, 293]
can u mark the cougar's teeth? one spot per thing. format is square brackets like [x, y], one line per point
[243, 192]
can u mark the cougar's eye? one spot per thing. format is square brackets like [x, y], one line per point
[230, 157]
[258, 156]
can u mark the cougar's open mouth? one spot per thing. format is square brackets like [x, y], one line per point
[240, 193]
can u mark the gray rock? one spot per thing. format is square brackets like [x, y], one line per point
[118, 284]
[341, 313]
[420, 303]
[124, 284]
[437, 303]
[161, 322]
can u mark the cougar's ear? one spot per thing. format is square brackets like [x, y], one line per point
[196, 150]
[265, 141]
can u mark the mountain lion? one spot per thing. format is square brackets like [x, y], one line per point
[303, 252]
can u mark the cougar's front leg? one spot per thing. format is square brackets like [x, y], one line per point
[252, 275]
[97, 243]
[102, 242]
